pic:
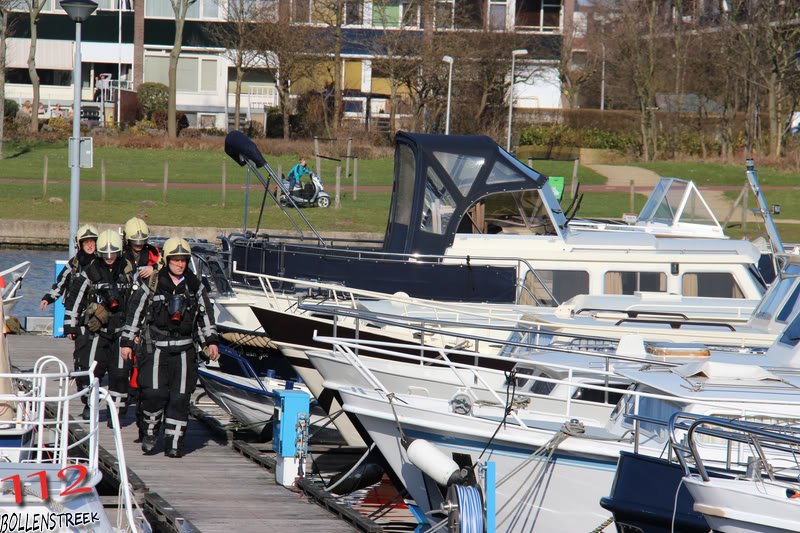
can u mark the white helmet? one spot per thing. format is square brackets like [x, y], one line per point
[109, 244]
[136, 231]
[87, 231]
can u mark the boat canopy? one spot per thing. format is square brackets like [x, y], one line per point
[676, 203]
[438, 178]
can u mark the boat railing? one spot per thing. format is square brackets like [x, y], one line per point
[783, 440]
[340, 294]
[521, 265]
[479, 380]
[43, 411]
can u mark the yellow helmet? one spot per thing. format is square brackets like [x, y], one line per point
[175, 247]
[136, 230]
[87, 231]
[109, 243]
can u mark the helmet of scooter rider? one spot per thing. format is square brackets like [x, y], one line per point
[136, 231]
[109, 244]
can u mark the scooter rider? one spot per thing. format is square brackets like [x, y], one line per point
[96, 313]
[86, 238]
[171, 313]
[296, 174]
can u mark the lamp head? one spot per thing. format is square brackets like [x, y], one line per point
[520, 52]
[79, 10]
[448, 59]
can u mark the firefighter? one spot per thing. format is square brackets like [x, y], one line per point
[171, 314]
[144, 257]
[138, 251]
[86, 240]
[95, 314]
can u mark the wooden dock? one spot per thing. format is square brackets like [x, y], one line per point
[213, 487]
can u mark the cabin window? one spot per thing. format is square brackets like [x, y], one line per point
[406, 166]
[788, 307]
[655, 413]
[439, 205]
[711, 285]
[776, 296]
[791, 335]
[630, 282]
[559, 284]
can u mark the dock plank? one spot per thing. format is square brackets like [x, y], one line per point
[212, 486]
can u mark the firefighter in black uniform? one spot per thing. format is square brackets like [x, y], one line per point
[87, 245]
[96, 313]
[145, 258]
[171, 314]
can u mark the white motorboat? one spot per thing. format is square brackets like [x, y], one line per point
[551, 471]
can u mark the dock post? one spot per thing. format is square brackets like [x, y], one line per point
[530, 162]
[318, 168]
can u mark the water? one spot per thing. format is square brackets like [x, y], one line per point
[38, 280]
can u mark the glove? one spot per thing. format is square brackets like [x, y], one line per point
[94, 325]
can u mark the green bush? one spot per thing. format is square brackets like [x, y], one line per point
[10, 108]
[560, 135]
[143, 127]
[153, 97]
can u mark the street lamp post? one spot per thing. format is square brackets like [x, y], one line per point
[514, 54]
[78, 11]
[449, 61]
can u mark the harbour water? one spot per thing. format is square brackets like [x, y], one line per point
[38, 280]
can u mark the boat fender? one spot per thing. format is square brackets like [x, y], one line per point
[433, 462]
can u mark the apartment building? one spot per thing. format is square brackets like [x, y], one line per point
[127, 42]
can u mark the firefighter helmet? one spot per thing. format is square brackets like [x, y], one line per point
[109, 244]
[87, 231]
[136, 231]
[175, 247]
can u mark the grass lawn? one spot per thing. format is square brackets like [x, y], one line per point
[606, 204]
[719, 174]
[586, 175]
[185, 166]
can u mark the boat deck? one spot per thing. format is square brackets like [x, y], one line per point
[213, 487]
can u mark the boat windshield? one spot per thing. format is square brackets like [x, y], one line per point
[676, 201]
[775, 298]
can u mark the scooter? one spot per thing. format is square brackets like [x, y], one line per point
[308, 195]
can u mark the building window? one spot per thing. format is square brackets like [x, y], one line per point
[630, 282]
[301, 11]
[206, 121]
[201, 9]
[497, 16]
[468, 14]
[443, 15]
[194, 74]
[539, 15]
[409, 12]
[59, 78]
[354, 12]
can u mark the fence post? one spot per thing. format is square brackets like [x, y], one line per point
[166, 180]
[224, 181]
[316, 156]
[633, 194]
[355, 178]
[102, 180]
[347, 161]
[338, 186]
[530, 162]
[44, 177]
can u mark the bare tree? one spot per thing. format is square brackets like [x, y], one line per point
[769, 35]
[282, 47]
[34, 10]
[575, 70]
[396, 58]
[632, 35]
[331, 42]
[179, 8]
[236, 38]
[5, 9]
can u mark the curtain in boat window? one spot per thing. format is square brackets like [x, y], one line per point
[613, 283]
[711, 285]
